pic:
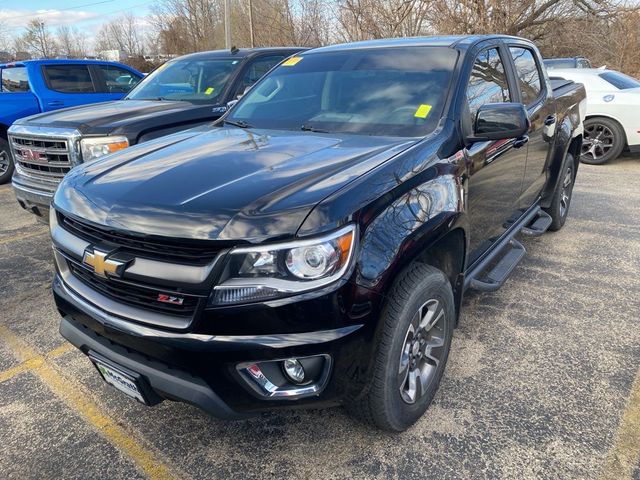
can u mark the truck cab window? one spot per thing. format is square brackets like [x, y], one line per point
[69, 78]
[528, 74]
[118, 80]
[15, 79]
[488, 81]
[256, 70]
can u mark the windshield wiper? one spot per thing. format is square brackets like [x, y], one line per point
[307, 128]
[238, 123]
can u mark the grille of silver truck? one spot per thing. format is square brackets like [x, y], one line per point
[42, 160]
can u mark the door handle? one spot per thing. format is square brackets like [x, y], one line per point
[520, 141]
[550, 120]
[55, 103]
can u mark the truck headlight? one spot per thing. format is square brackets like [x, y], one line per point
[93, 148]
[267, 272]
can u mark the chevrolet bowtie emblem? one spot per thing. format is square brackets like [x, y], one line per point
[102, 265]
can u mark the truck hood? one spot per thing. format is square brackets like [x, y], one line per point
[122, 116]
[222, 184]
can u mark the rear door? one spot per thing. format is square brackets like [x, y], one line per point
[68, 85]
[496, 167]
[536, 94]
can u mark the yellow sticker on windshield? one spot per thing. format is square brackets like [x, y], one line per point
[291, 61]
[423, 111]
[209, 91]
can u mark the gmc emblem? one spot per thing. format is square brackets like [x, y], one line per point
[164, 298]
[32, 155]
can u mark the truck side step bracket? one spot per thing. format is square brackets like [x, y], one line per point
[540, 224]
[494, 278]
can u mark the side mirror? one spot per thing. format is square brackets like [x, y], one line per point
[497, 121]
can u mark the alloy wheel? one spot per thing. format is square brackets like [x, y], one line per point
[422, 351]
[565, 194]
[4, 162]
[598, 141]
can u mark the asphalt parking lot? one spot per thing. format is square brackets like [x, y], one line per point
[543, 379]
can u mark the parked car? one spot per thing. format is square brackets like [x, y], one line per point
[571, 62]
[613, 113]
[36, 86]
[182, 93]
[314, 249]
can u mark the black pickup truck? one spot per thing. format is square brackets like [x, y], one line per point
[314, 249]
[181, 94]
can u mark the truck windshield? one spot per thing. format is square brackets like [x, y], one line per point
[193, 81]
[394, 91]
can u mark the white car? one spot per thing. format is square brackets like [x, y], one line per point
[613, 112]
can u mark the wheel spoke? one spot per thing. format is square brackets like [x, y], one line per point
[433, 316]
[412, 386]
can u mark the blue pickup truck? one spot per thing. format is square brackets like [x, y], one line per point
[36, 86]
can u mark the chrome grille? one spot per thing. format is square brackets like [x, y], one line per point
[45, 160]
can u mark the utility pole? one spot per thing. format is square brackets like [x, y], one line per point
[227, 24]
[43, 44]
[251, 23]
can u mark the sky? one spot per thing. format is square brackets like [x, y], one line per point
[86, 15]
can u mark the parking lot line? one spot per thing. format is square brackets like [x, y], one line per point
[30, 364]
[148, 461]
[623, 458]
[24, 236]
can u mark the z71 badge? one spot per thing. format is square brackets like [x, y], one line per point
[164, 298]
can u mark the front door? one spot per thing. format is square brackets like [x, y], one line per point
[496, 168]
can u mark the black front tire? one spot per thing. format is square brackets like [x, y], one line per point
[559, 208]
[386, 403]
[6, 162]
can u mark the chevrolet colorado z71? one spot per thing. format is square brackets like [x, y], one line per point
[315, 249]
[183, 93]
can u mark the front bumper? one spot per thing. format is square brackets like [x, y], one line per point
[163, 380]
[200, 369]
[31, 198]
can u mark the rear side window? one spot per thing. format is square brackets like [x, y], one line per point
[488, 82]
[584, 63]
[118, 80]
[617, 79]
[69, 78]
[15, 79]
[528, 74]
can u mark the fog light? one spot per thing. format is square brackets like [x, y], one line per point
[293, 370]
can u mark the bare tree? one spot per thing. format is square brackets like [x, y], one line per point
[189, 25]
[38, 40]
[122, 34]
[72, 42]
[367, 19]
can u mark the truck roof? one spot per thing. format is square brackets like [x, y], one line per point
[240, 52]
[63, 61]
[427, 41]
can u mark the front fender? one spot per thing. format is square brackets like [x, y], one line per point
[406, 227]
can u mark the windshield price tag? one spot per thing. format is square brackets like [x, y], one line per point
[291, 61]
[422, 111]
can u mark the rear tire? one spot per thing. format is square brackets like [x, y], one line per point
[559, 208]
[604, 140]
[6, 161]
[412, 349]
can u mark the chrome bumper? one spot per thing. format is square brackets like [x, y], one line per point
[32, 199]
